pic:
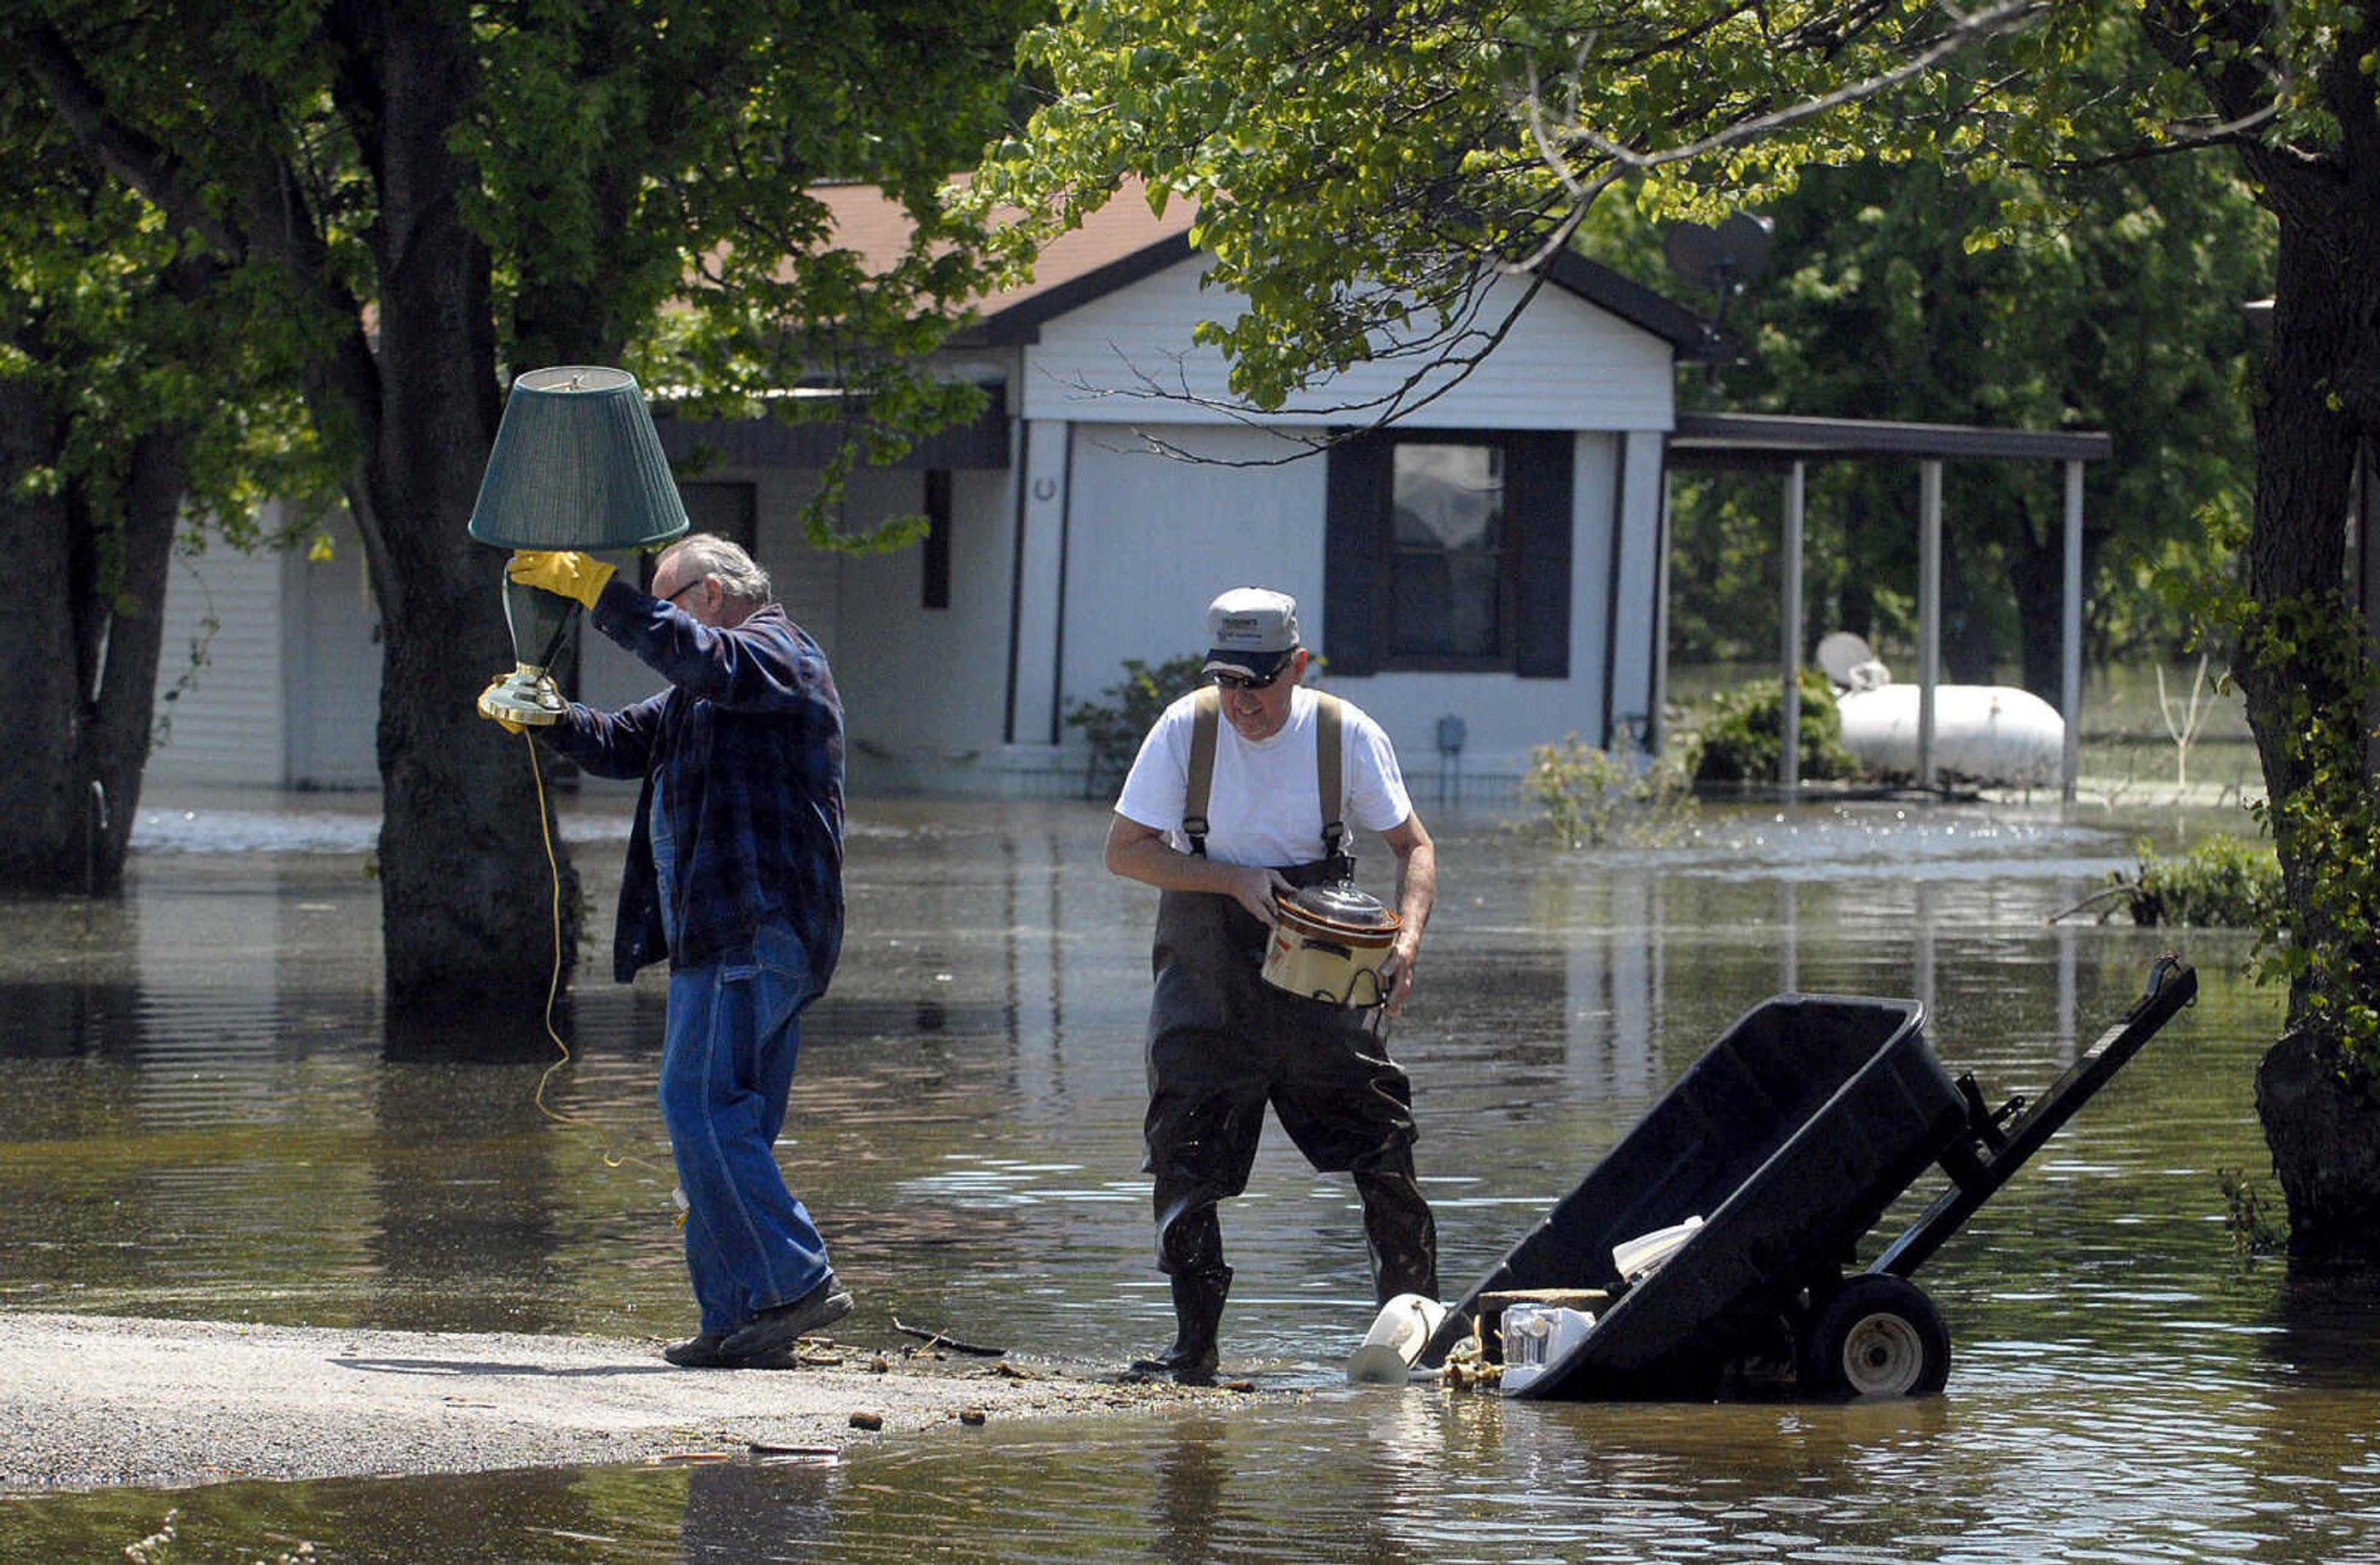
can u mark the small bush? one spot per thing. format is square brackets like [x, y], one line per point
[1741, 734]
[1114, 725]
[1584, 797]
[2255, 1228]
[2224, 883]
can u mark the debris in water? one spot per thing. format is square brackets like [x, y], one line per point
[938, 1339]
[804, 1452]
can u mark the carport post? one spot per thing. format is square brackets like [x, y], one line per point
[1657, 718]
[2070, 673]
[1789, 764]
[1929, 612]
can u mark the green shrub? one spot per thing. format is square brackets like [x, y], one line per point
[1584, 797]
[2256, 1229]
[1114, 725]
[2224, 883]
[1741, 734]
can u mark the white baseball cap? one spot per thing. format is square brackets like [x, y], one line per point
[1251, 631]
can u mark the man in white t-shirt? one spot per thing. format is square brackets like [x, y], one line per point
[1222, 1043]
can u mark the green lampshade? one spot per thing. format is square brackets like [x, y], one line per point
[576, 465]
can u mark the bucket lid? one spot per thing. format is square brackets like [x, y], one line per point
[1342, 904]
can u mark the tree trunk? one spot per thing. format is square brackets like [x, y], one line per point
[78, 659]
[46, 847]
[2317, 409]
[468, 922]
[117, 735]
[2324, 1136]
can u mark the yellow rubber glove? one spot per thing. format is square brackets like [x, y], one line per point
[508, 724]
[563, 571]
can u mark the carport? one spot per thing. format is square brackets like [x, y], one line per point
[1787, 445]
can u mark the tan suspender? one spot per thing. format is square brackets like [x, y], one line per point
[1206, 720]
[1328, 786]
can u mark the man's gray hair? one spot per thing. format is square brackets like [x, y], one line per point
[701, 554]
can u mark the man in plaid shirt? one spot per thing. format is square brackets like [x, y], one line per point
[734, 873]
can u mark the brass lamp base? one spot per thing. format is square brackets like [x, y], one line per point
[526, 696]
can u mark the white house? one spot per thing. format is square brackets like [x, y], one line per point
[1493, 557]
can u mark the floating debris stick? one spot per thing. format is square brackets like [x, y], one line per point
[938, 1339]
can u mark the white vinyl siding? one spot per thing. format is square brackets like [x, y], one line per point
[1127, 358]
[221, 672]
[332, 634]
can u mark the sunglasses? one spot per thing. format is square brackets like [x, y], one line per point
[1226, 681]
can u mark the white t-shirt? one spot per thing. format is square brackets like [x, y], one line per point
[1262, 807]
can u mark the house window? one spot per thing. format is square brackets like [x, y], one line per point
[1447, 554]
[1449, 551]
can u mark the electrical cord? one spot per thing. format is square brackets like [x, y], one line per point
[612, 1158]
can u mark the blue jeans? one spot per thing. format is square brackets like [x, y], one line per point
[727, 1066]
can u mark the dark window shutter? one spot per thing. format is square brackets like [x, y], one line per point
[1354, 552]
[1539, 474]
[935, 586]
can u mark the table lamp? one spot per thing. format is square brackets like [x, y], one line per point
[576, 465]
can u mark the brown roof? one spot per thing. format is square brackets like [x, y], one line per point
[1123, 241]
[867, 221]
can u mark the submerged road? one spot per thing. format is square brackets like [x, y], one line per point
[92, 1402]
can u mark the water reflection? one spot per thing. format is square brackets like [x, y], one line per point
[199, 1114]
[735, 1512]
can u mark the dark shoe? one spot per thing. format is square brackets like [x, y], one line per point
[776, 1330]
[1186, 1367]
[1198, 1311]
[699, 1351]
[709, 1351]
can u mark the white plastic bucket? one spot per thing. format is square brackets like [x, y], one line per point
[1394, 1345]
[1648, 1252]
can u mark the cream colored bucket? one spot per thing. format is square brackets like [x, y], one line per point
[1329, 945]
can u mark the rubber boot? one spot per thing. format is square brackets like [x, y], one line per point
[1400, 1232]
[1197, 1312]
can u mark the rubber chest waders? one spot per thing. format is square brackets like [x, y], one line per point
[1223, 1044]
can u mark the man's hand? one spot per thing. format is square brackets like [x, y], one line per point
[563, 571]
[1141, 852]
[1254, 886]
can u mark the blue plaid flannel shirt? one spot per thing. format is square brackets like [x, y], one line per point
[748, 742]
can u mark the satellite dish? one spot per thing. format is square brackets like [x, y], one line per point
[1691, 251]
[1720, 258]
[1744, 241]
[1848, 663]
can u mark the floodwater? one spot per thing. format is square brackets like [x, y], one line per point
[201, 1116]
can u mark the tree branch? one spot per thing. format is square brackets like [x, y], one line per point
[1964, 30]
[123, 151]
